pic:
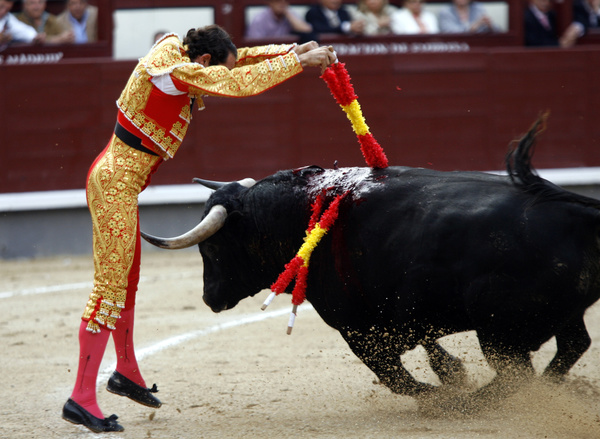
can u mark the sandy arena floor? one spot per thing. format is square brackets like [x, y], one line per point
[237, 374]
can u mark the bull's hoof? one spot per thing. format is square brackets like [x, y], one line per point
[412, 389]
[447, 403]
[553, 377]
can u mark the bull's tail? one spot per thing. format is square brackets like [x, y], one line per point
[518, 160]
[522, 173]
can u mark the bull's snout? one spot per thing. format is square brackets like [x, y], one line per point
[216, 307]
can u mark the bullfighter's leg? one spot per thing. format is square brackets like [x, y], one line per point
[127, 379]
[115, 179]
[91, 351]
[448, 368]
[379, 354]
[123, 334]
[571, 342]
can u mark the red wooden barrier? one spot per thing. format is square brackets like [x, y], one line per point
[447, 110]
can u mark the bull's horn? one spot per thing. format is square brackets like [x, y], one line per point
[204, 230]
[209, 183]
[246, 182]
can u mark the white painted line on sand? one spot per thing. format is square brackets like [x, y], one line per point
[163, 344]
[182, 338]
[88, 285]
[45, 289]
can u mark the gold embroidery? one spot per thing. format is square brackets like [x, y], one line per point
[168, 57]
[186, 113]
[138, 119]
[113, 187]
[149, 127]
[157, 136]
[178, 130]
[243, 81]
[253, 55]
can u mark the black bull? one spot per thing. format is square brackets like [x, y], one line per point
[417, 254]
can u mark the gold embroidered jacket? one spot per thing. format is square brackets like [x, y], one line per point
[157, 97]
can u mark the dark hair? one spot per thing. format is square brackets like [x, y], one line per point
[213, 40]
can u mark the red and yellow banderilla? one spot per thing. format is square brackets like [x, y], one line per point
[297, 268]
[338, 80]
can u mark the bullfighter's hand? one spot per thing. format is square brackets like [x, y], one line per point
[303, 48]
[319, 57]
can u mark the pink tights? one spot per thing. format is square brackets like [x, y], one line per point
[92, 347]
[91, 351]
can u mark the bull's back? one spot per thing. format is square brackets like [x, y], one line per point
[451, 249]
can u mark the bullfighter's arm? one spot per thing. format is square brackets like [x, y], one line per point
[246, 80]
[252, 55]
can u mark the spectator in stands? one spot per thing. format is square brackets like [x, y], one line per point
[465, 16]
[81, 18]
[412, 19]
[11, 29]
[376, 16]
[49, 30]
[540, 26]
[279, 20]
[587, 12]
[331, 17]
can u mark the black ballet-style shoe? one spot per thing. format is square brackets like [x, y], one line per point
[76, 414]
[121, 385]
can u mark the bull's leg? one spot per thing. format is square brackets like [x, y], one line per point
[448, 368]
[571, 342]
[512, 365]
[380, 353]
